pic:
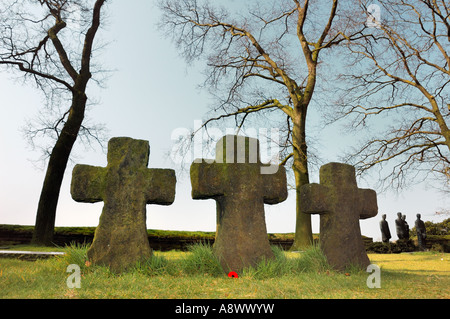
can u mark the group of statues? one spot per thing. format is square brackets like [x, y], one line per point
[402, 229]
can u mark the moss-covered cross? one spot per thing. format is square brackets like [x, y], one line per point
[340, 204]
[235, 181]
[125, 186]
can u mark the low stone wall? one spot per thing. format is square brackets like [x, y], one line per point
[8, 238]
[16, 236]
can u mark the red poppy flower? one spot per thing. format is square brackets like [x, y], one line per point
[233, 274]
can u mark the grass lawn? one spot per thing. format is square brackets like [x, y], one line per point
[195, 274]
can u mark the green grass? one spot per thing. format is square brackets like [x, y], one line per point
[197, 274]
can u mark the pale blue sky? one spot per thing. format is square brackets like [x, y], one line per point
[151, 94]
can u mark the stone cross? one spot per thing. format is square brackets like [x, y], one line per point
[340, 204]
[125, 186]
[234, 180]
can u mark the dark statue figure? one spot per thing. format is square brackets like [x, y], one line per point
[405, 224]
[400, 227]
[385, 232]
[421, 232]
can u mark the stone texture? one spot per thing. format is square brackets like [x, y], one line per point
[340, 204]
[235, 182]
[125, 186]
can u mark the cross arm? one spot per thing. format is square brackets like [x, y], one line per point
[87, 184]
[314, 199]
[368, 203]
[207, 179]
[160, 187]
[275, 186]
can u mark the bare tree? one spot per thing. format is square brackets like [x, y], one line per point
[401, 69]
[261, 61]
[36, 41]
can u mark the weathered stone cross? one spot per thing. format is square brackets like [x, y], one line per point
[235, 182]
[340, 204]
[125, 186]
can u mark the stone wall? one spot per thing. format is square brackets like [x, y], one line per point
[15, 235]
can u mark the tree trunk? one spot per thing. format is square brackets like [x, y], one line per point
[46, 212]
[303, 230]
[445, 131]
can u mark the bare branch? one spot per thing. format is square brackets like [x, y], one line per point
[53, 34]
[37, 73]
[401, 69]
[88, 42]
